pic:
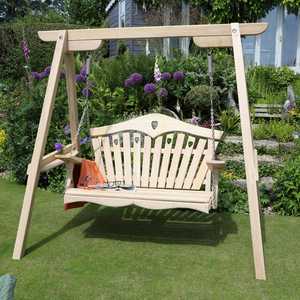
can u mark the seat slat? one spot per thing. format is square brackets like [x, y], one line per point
[137, 159]
[117, 158]
[127, 158]
[194, 164]
[155, 162]
[175, 160]
[146, 161]
[184, 163]
[108, 159]
[165, 161]
[143, 194]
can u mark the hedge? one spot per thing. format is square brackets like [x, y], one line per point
[11, 55]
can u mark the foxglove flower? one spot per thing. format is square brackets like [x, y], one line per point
[149, 88]
[178, 75]
[26, 50]
[157, 73]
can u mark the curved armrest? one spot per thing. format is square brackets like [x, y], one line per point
[215, 165]
[69, 157]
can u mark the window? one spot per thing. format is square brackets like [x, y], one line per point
[289, 43]
[122, 13]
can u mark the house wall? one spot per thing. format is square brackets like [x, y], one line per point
[133, 17]
[279, 45]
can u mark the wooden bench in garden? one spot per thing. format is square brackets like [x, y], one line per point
[166, 161]
[267, 111]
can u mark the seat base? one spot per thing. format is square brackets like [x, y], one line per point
[143, 197]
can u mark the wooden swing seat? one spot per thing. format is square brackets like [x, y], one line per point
[166, 160]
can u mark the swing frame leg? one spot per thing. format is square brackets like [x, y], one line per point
[249, 154]
[39, 147]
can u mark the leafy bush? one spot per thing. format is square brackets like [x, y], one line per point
[287, 188]
[280, 130]
[234, 201]
[198, 98]
[11, 57]
[230, 121]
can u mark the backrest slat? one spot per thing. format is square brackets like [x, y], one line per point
[165, 161]
[185, 162]
[175, 160]
[127, 158]
[146, 161]
[156, 162]
[194, 164]
[108, 159]
[137, 159]
[117, 158]
[98, 155]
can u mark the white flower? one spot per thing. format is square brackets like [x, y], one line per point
[157, 73]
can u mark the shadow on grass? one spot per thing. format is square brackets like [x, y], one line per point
[177, 226]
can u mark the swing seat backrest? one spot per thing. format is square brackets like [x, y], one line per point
[154, 151]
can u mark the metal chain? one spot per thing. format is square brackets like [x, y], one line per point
[214, 176]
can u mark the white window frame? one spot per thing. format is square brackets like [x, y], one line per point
[281, 11]
[122, 12]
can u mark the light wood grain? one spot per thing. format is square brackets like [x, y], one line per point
[154, 32]
[40, 143]
[250, 164]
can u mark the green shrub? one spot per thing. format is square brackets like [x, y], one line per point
[287, 188]
[11, 56]
[231, 198]
[282, 131]
[230, 121]
[198, 98]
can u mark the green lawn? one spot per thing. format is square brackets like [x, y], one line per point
[104, 253]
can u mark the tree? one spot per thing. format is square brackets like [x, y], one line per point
[227, 11]
[10, 9]
[86, 12]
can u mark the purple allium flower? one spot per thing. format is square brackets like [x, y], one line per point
[128, 82]
[58, 146]
[62, 74]
[162, 92]
[36, 75]
[86, 92]
[178, 75]
[85, 140]
[136, 78]
[149, 88]
[165, 76]
[67, 129]
[26, 50]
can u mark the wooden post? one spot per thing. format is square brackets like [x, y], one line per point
[249, 154]
[72, 97]
[39, 146]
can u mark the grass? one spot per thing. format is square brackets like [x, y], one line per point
[104, 253]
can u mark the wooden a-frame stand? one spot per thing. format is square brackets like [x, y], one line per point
[68, 41]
